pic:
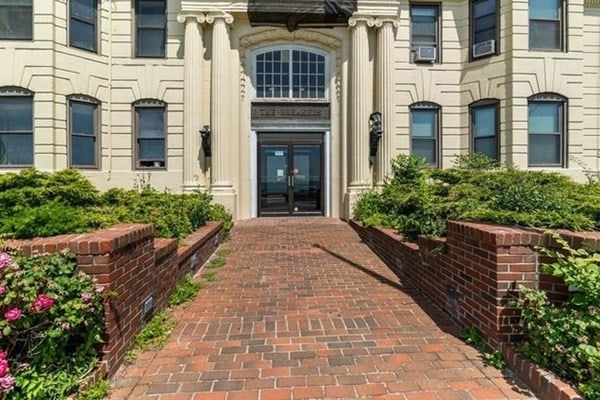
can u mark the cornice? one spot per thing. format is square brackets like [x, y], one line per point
[592, 3]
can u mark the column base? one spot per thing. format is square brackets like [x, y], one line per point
[351, 198]
[227, 197]
[193, 188]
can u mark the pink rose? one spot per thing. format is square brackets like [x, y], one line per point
[86, 297]
[3, 368]
[99, 288]
[42, 302]
[7, 382]
[3, 355]
[2, 290]
[12, 314]
[5, 260]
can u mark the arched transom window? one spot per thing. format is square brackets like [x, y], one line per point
[295, 73]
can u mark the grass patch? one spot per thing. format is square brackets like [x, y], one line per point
[217, 262]
[210, 276]
[99, 391]
[473, 337]
[153, 336]
[185, 291]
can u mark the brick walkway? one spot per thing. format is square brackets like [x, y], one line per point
[304, 310]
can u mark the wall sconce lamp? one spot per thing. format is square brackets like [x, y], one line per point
[205, 134]
[375, 132]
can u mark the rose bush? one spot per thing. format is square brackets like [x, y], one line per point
[51, 321]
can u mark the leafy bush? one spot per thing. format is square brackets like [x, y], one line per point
[566, 338]
[52, 321]
[419, 200]
[36, 204]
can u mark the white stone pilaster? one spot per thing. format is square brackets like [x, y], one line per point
[385, 93]
[193, 176]
[220, 111]
[360, 93]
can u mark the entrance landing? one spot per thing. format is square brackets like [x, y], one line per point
[304, 310]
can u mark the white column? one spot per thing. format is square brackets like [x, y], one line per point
[220, 112]
[385, 94]
[193, 178]
[358, 168]
[360, 100]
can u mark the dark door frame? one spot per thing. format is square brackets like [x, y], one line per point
[290, 139]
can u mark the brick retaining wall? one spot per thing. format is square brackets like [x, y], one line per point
[475, 270]
[128, 261]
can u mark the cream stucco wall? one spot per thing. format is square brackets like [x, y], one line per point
[52, 70]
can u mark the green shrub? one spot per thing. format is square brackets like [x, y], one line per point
[34, 204]
[419, 200]
[564, 338]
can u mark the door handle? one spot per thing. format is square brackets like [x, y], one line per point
[291, 180]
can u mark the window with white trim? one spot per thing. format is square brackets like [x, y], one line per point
[425, 131]
[83, 132]
[547, 130]
[150, 134]
[16, 19]
[16, 127]
[290, 73]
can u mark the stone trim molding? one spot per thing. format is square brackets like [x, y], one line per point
[249, 42]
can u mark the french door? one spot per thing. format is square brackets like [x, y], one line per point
[290, 168]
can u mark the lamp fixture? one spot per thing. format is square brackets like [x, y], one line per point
[206, 147]
[375, 132]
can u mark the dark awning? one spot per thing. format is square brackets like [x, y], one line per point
[295, 14]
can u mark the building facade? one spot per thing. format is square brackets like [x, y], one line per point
[295, 109]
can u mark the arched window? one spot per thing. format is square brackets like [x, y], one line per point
[16, 127]
[84, 123]
[297, 73]
[547, 127]
[150, 134]
[425, 131]
[485, 128]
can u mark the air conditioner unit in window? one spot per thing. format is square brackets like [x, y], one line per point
[484, 48]
[425, 54]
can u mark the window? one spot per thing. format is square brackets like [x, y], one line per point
[546, 122]
[484, 33]
[151, 28]
[424, 131]
[83, 17]
[425, 32]
[546, 24]
[16, 19]
[83, 132]
[16, 127]
[150, 128]
[290, 73]
[484, 128]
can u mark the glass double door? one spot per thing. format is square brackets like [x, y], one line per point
[290, 174]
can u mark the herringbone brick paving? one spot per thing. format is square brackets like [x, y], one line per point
[304, 310]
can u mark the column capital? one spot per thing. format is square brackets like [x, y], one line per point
[185, 17]
[380, 21]
[358, 19]
[212, 16]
